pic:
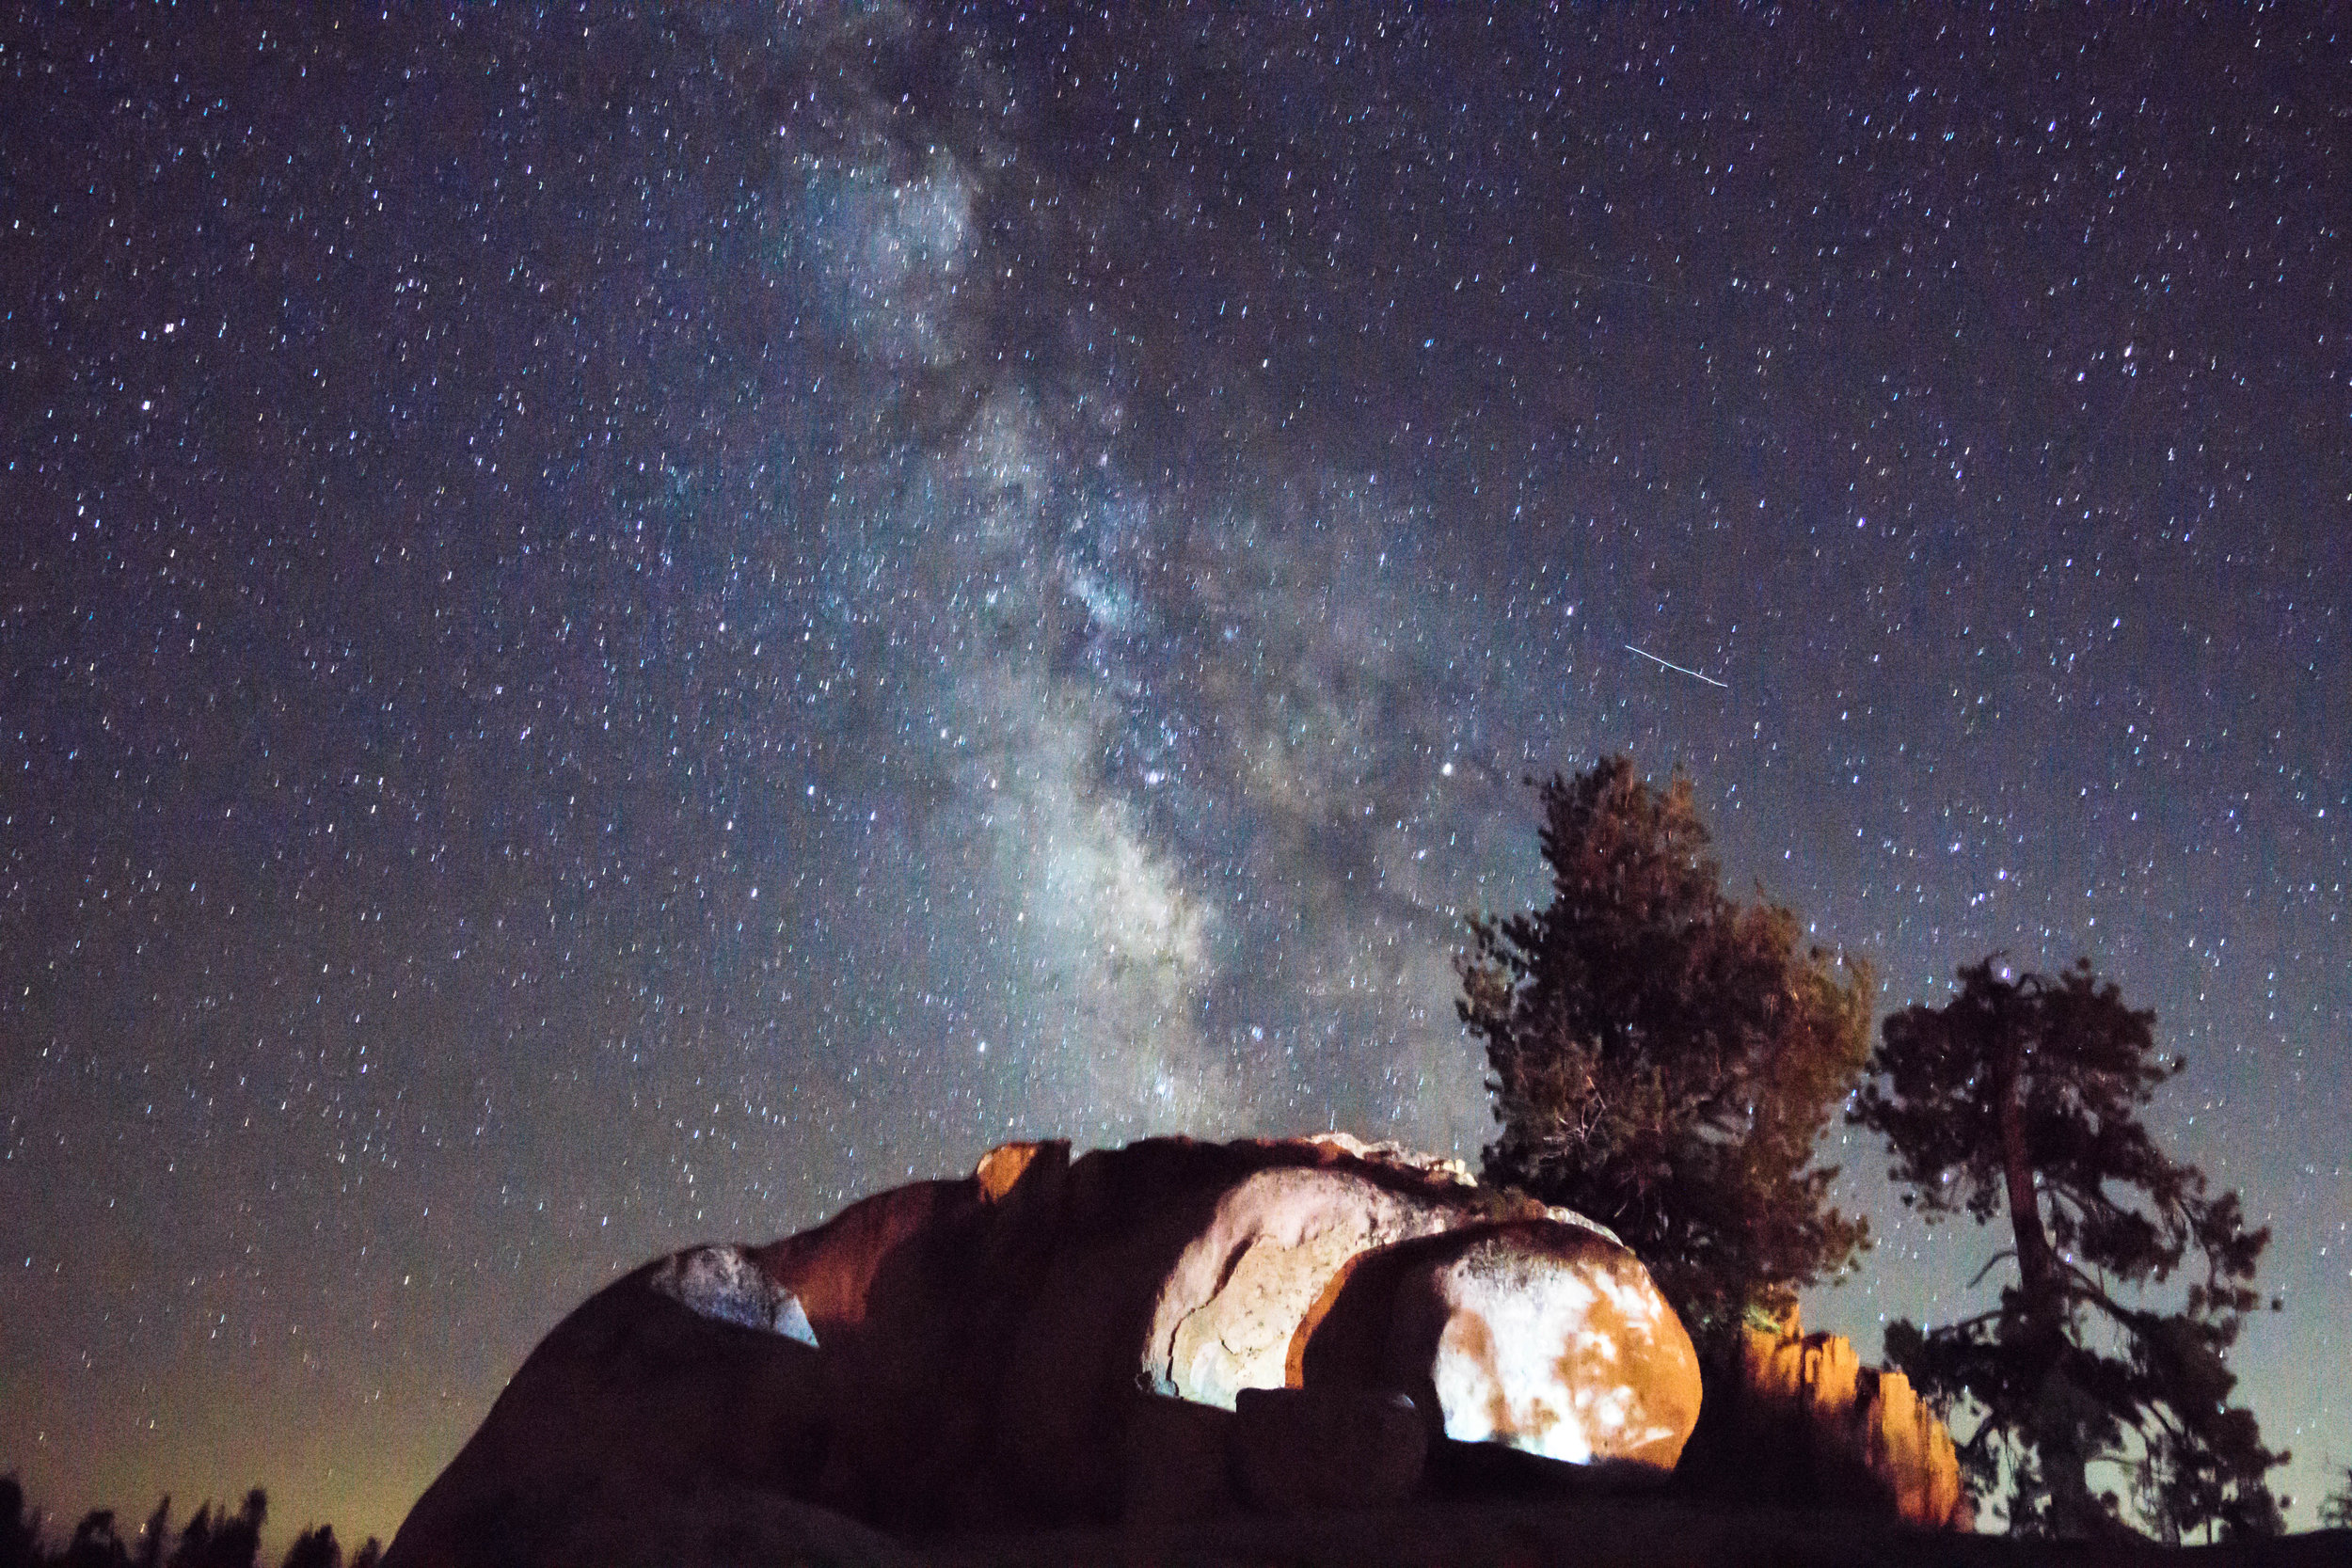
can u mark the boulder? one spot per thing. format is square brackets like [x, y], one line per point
[1226, 1313]
[645, 1412]
[1177, 1465]
[1540, 1336]
[707, 1525]
[1183, 1269]
[1796, 1420]
[724, 1284]
[1053, 1341]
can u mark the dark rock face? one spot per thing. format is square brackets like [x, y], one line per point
[1178, 1465]
[637, 1424]
[1305, 1451]
[1056, 1342]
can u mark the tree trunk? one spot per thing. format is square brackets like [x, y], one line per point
[2037, 1270]
[2053, 1426]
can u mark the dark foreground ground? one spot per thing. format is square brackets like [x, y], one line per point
[1598, 1534]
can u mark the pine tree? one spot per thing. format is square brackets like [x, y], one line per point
[237, 1541]
[2022, 1097]
[2335, 1510]
[315, 1548]
[153, 1534]
[20, 1528]
[95, 1545]
[196, 1540]
[1664, 1058]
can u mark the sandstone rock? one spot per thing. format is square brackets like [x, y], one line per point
[1004, 1169]
[637, 1408]
[1185, 1267]
[1860, 1434]
[1179, 1466]
[1388, 1152]
[705, 1527]
[1229, 1308]
[1540, 1336]
[1009, 1352]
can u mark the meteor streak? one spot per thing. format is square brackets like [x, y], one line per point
[1678, 669]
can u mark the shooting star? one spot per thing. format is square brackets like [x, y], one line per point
[1676, 668]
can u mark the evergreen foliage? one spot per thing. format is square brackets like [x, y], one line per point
[2023, 1097]
[1664, 1058]
[315, 1548]
[2335, 1510]
[94, 1544]
[20, 1532]
[211, 1538]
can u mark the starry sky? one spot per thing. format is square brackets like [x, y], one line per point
[619, 625]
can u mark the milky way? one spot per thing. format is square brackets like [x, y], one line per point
[620, 628]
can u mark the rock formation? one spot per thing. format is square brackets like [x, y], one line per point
[1051, 1341]
[1803, 1422]
[1296, 1451]
[1543, 1336]
[654, 1425]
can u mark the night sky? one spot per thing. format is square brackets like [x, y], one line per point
[618, 628]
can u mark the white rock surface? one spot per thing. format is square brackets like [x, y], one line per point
[1560, 1344]
[1230, 1307]
[723, 1283]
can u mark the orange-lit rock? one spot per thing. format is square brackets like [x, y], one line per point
[1541, 1336]
[1841, 1433]
[1027, 1347]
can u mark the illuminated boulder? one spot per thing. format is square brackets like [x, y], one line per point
[1537, 1335]
[1226, 1313]
[1053, 1341]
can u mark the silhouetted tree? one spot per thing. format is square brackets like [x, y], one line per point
[212, 1538]
[153, 1534]
[370, 1554]
[95, 1544]
[20, 1529]
[2023, 1097]
[1664, 1058]
[237, 1541]
[315, 1548]
[2335, 1510]
[196, 1540]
